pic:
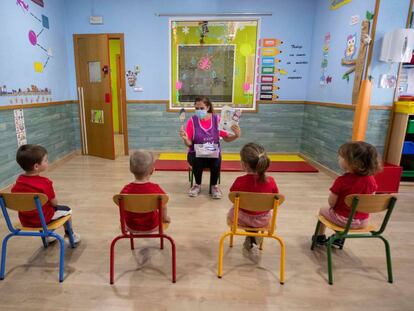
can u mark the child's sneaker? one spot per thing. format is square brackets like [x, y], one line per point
[194, 191]
[248, 244]
[257, 240]
[321, 239]
[216, 192]
[339, 243]
[51, 239]
[76, 237]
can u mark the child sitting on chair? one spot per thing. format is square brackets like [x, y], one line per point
[141, 164]
[255, 162]
[33, 159]
[360, 162]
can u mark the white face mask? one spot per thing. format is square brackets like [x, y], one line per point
[201, 113]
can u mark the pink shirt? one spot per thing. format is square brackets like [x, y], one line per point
[205, 124]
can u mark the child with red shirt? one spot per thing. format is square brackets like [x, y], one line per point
[254, 162]
[141, 164]
[360, 162]
[33, 159]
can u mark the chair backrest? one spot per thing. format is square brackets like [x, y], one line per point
[256, 202]
[23, 202]
[140, 203]
[370, 203]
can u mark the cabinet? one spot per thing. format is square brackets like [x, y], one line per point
[401, 143]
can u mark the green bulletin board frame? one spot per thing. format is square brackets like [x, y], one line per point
[240, 33]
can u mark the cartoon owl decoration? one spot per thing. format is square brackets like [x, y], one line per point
[350, 46]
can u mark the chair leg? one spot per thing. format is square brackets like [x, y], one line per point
[315, 235]
[44, 241]
[261, 244]
[329, 250]
[231, 240]
[282, 259]
[161, 243]
[3, 255]
[68, 228]
[173, 259]
[112, 258]
[389, 263]
[221, 253]
[62, 256]
[131, 239]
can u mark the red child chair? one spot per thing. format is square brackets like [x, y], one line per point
[141, 203]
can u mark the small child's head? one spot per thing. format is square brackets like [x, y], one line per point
[141, 164]
[255, 160]
[32, 158]
[359, 157]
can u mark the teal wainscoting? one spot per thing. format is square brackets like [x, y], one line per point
[278, 127]
[55, 127]
[324, 130]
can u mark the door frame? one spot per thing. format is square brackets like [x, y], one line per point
[122, 87]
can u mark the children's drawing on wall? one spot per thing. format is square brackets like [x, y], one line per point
[336, 4]
[325, 79]
[132, 76]
[33, 36]
[387, 81]
[20, 127]
[97, 116]
[30, 95]
[356, 60]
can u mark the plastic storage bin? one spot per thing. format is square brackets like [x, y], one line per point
[410, 127]
[408, 147]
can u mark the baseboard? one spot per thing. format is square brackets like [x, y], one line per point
[319, 166]
[52, 166]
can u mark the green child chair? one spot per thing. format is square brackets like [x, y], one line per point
[366, 203]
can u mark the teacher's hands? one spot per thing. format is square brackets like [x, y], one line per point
[183, 134]
[236, 129]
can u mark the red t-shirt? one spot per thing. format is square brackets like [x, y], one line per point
[33, 184]
[352, 184]
[251, 183]
[142, 221]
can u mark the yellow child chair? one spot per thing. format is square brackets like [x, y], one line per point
[24, 202]
[255, 202]
[365, 203]
[141, 203]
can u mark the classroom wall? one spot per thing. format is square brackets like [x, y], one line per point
[277, 127]
[54, 127]
[18, 55]
[146, 36]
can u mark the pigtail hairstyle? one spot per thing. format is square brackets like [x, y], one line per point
[255, 157]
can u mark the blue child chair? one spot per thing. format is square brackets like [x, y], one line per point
[24, 202]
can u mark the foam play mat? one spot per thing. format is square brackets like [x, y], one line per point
[230, 162]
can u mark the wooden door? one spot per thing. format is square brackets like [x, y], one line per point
[94, 87]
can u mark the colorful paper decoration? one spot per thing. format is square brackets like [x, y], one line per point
[270, 51]
[178, 85]
[20, 127]
[336, 4]
[38, 67]
[325, 79]
[267, 69]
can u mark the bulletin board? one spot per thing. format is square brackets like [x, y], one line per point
[213, 58]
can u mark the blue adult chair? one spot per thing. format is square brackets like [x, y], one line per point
[24, 202]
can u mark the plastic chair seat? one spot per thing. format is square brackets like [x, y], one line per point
[51, 226]
[337, 228]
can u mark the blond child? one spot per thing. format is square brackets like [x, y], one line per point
[141, 165]
[255, 162]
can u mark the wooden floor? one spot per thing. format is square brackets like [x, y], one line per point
[143, 276]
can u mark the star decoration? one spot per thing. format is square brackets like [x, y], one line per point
[186, 30]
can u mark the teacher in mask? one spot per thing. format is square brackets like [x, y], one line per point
[202, 136]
